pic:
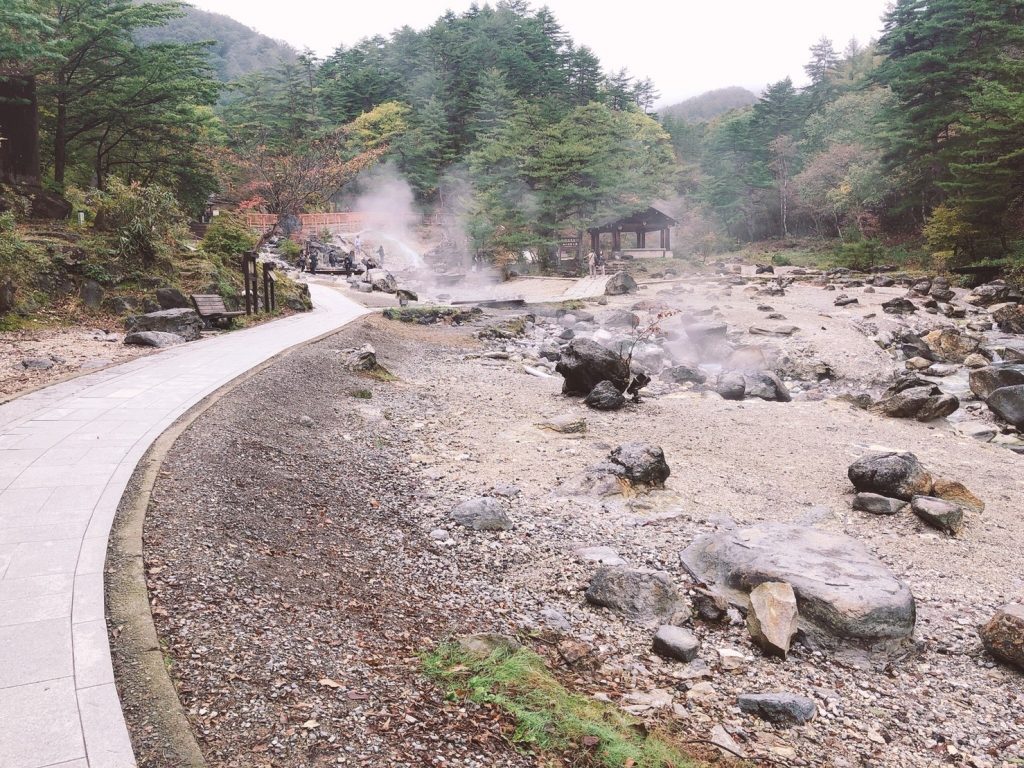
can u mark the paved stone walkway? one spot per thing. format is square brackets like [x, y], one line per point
[66, 455]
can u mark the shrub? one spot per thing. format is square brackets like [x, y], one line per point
[145, 221]
[290, 249]
[228, 237]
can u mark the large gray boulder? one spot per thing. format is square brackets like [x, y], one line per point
[986, 295]
[157, 339]
[896, 475]
[620, 283]
[620, 318]
[91, 293]
[985, 381]
[634, 593]
[683, 374]
[1008, 404]
[172, 298]
[181, 322]
[952, 345]
[844, 594]
[1003, 635]
[382, 280]
[1010, 319]
[585, 363]
[766, 386]
[641, 464]
[482, 514]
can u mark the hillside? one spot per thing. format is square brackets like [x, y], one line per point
[238, 50]
[710, 105]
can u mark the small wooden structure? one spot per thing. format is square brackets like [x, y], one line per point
[210, 307]
[19, 130]
[641, 224]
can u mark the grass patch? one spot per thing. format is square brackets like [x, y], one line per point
[361, 394]
[550, 719]
[380, 373]
[12, 322]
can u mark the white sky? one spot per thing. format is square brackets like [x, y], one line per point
[686, 46]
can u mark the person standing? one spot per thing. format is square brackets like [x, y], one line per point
[380, 256]
[592, 264]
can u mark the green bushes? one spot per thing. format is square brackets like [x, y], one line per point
[145, 223]
[228, 237]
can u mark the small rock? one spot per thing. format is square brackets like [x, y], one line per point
[605, 397]
[784, 709]
[307, 421]
[484, 513]
[772, 618]
[951, 490]
[731, 659]
[1003, 635]
[675, 643]
[709, 606]
[602, 555]
[486, 643]
[944, 515]
[566, 424]
[636, 593]
[37, 363]
[877, 504]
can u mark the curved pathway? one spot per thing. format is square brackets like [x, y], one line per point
[67, 453]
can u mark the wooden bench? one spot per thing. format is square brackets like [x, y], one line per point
[211, 308]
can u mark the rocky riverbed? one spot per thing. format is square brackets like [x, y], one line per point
[297, 580]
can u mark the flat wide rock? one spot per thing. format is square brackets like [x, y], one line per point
[877, 504]
[635, 593]
[843, 592]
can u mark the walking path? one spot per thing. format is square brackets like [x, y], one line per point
[66, 455]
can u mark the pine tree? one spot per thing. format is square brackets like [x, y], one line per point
[939, 52]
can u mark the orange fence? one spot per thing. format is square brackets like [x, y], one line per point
[310, 222]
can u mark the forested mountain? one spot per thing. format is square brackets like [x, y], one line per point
[710, 105]
[237, 50]
[496, 117]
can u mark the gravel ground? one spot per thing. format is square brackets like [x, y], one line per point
[255, 607]
[70, 351]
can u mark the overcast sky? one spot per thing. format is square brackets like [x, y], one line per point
[686, 46]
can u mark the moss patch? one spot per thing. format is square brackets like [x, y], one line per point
[549, 719]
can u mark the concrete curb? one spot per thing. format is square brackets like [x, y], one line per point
[131, 629]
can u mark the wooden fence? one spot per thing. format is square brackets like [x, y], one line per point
[310, 223]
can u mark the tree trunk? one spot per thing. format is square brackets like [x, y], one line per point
[60, 142]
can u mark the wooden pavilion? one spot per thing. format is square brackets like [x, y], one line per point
[640, 224]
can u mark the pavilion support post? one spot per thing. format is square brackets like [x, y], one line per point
[668, 239]
[641, 239]
[616, 241]
[595, 240]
